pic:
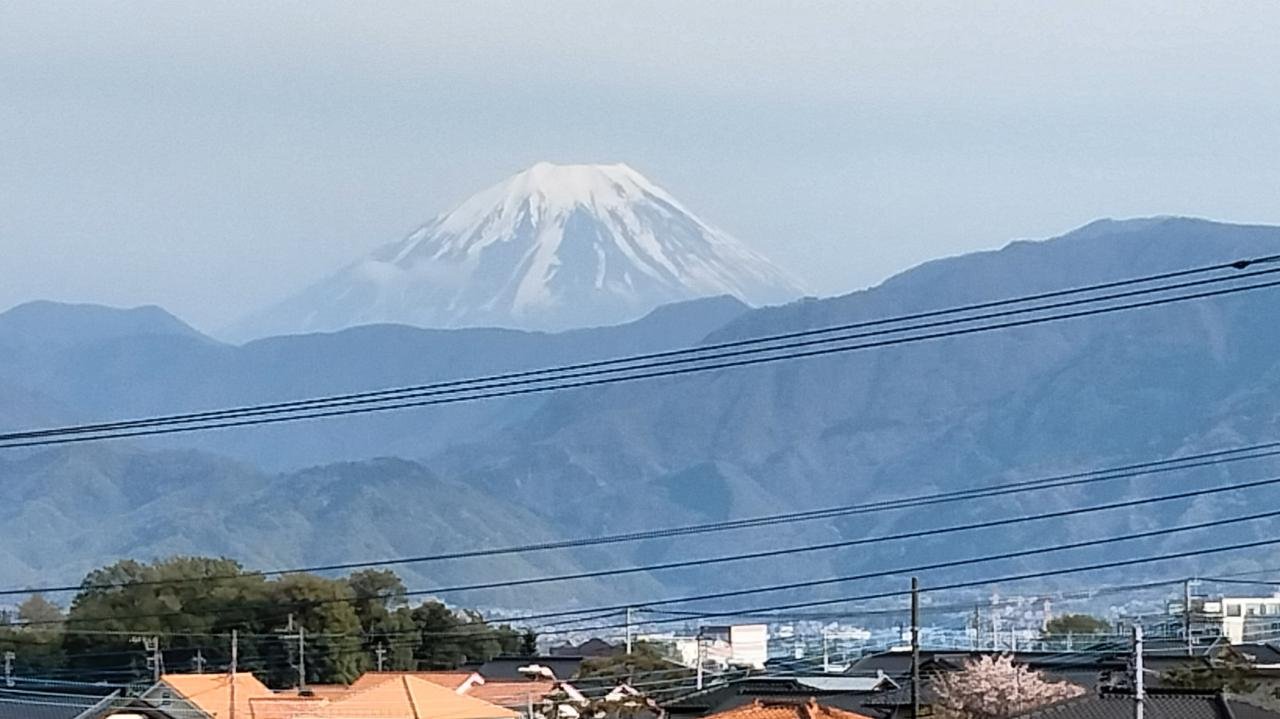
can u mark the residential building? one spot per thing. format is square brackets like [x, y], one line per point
[1237, 620]
[780, 709]
[208, 695]
[1159, 704]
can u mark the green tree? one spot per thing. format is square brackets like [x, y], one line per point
[325, 608]
[1066, 624]
[646, 664]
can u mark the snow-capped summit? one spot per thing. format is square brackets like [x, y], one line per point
[552, 247]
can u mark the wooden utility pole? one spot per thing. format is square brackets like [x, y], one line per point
[915, 648]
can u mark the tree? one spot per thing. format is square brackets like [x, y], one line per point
[994, 687]
[1067, 624]
[1230, 673]
[39, 611]
[324, 608]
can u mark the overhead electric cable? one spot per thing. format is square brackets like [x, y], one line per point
[158, 426]
[1127, 471]
[950, 564]
[396, 392]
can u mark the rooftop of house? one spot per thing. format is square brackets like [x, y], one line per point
[34, 700]
[408, 697]
[1258, 653]
[1158, 704]
[455, 680]
[512, 693]
[519, 667]
[780, 709]
[211, 693]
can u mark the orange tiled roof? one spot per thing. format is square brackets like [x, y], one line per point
[283, 706]
[211, 693]
[328, 691]
[512, 693]
[810, 709]
[408, 697]
[454, 680]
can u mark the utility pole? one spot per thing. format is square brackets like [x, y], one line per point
[1186, 616]
[701, 660]
[302, 659]
[301, 663]
[915, 648]
[977, 627]
[231, 681]
[381, 652]
[628, 631]
[155, 658]
[1139, 692]
[8, 668]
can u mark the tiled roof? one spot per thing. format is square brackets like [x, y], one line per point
[562, 667]
[453, 680]
[1162, 704]
[211, 693]
[283, 706]
[512, 694]
[26, 701]
[803, 709]
[408, 697]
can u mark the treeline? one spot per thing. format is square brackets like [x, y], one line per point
[192, 604]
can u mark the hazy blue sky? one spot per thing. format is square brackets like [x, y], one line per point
[211, 157]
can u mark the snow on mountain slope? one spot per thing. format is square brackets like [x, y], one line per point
[550, 248]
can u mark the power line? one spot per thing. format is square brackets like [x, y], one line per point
[1116, 564]
[951, 564]
[1127, 471]
[396, 392]
[163, 425]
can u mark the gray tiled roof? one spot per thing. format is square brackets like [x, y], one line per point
[1162, 704]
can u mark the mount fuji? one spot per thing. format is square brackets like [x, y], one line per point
[551, 248]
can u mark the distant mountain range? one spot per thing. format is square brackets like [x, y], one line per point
[554, 247]
[960, 412]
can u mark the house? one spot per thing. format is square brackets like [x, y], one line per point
[1158, 704]
[524, 667]
[593, 648]
[207, 695]
[459, 681]
[42, 700]
[406, 697]
[777, 709]
[724, 697]
[1238, 620]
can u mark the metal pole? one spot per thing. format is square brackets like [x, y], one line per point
[628, 631]
[1186, 616]
[1139, 692]
[915, 648]
[235, 656]
[700, 662]
[8, 668]
[302, 658]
